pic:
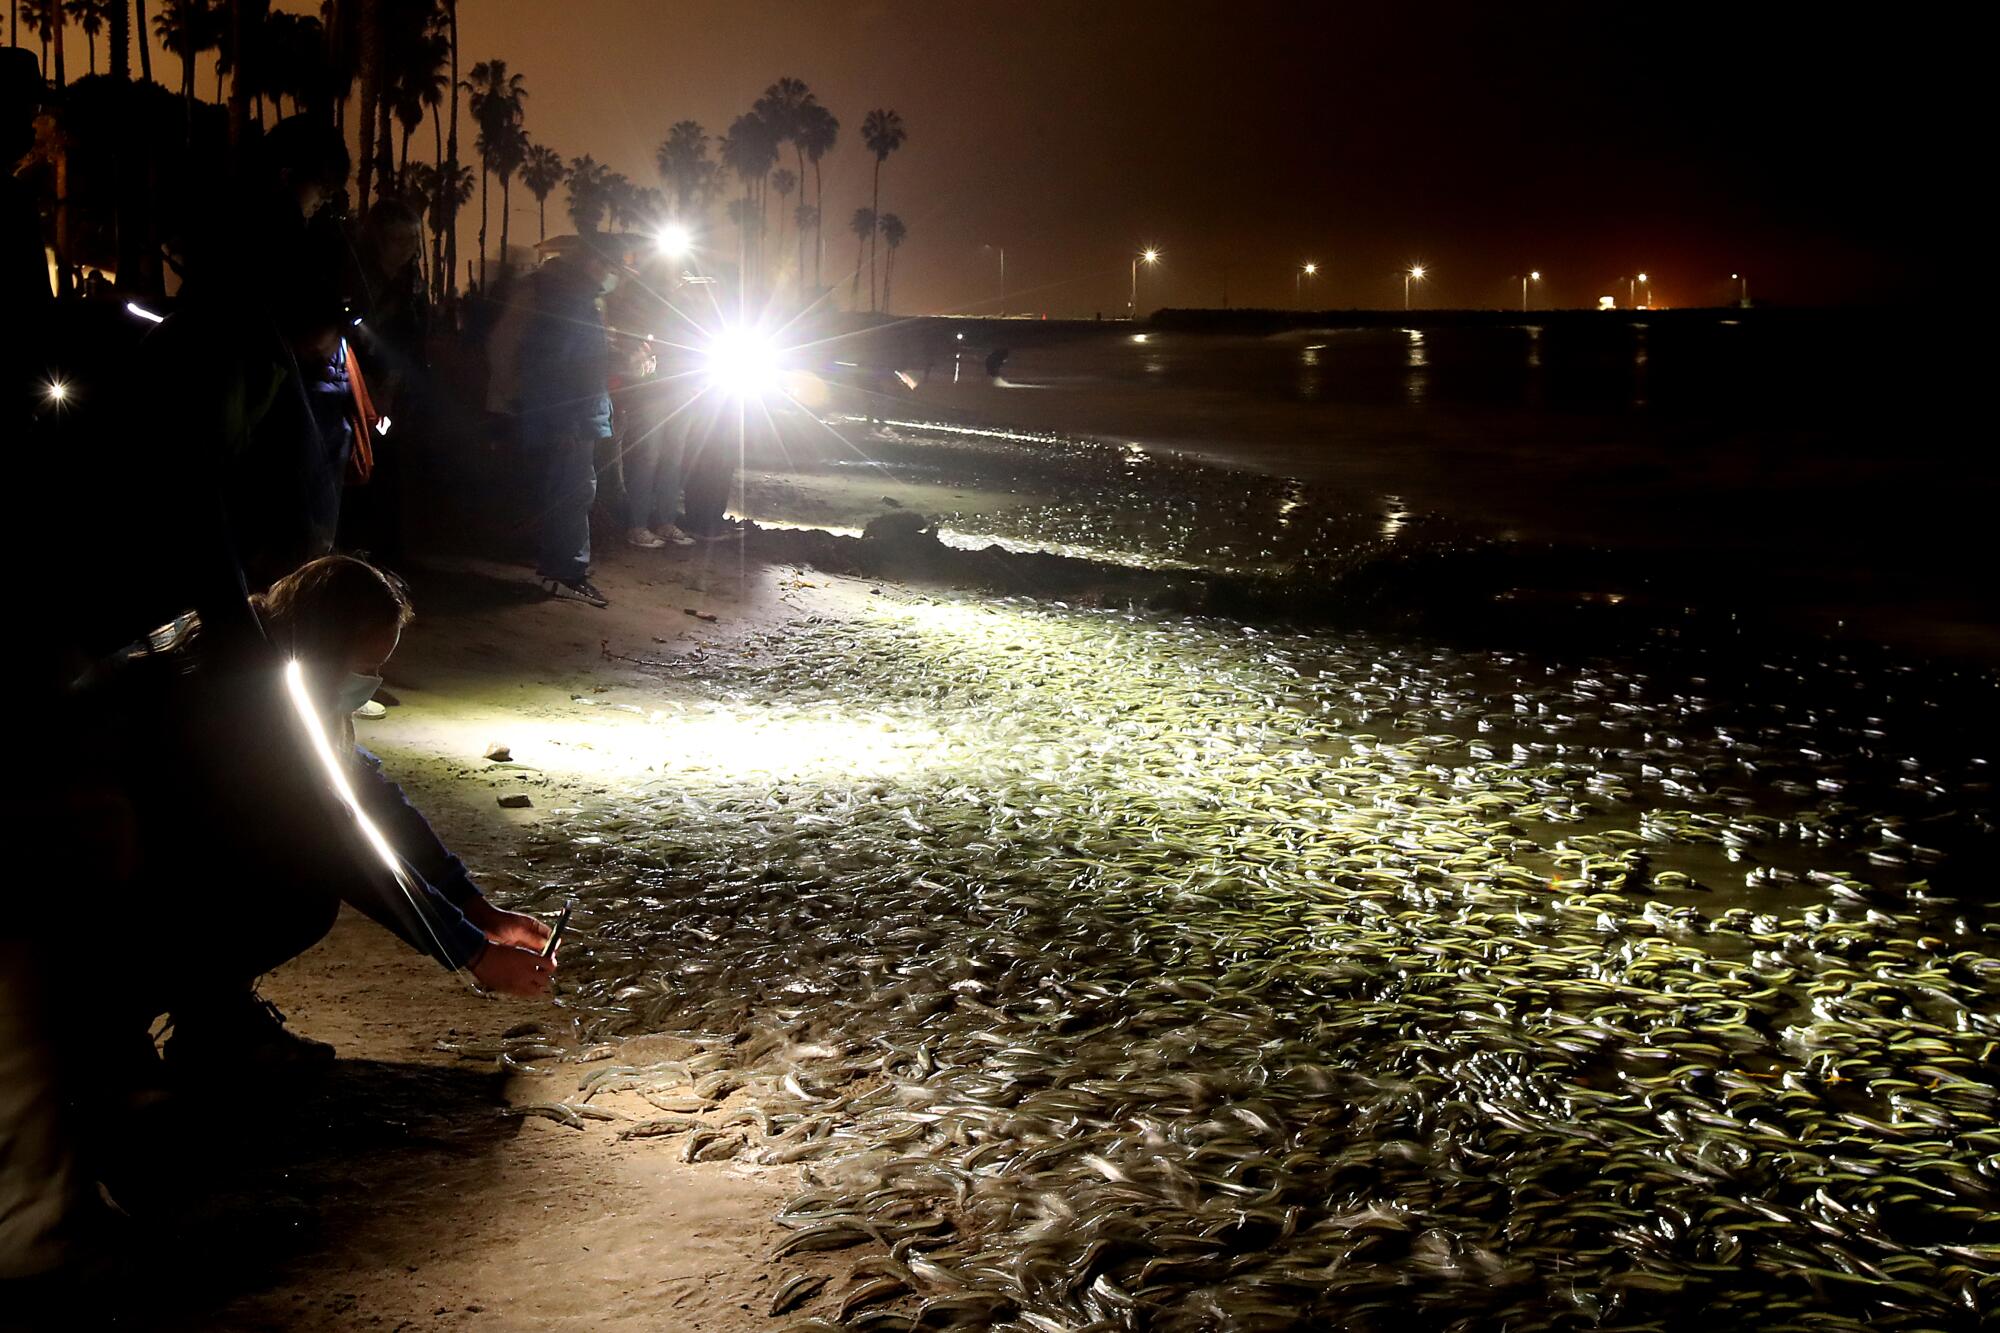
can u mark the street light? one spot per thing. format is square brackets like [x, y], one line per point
[1415, 273]
[1536, 276]
[1298, 282]
[1632, 286]
[1742, 289]
[1150, 256]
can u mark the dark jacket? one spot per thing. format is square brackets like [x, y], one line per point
[565, 361]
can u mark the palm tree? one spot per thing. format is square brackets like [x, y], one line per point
[186, 28]
[90, 15]
[883, 132]
[785, 108]
[452, 192]
[42, 17]
[145, 42]
[683, 162]
[588, 180]
[541, 171]
[784, 180]
[750, 149]
[818, 132]
[119, 60]
[893, 232]
[507, 157]
[621, 201]
[496, 106]
[451, 170]
[418, 84]
[862, 224]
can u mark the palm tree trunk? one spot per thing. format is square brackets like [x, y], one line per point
[145, 39]
[57, 25]
[542, 218]
[801, 238]
[451, 159]
[368, 15]
[118, 53]
[871, 235]
[854, 287]
[90, 40]
[482, 224]
[888, 277]
[506, 218]
[819, 224]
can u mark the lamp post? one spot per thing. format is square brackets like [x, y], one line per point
[1299, 281]
[1742, 290]
[1536, 276]
[1415, 273]
[1632, 286]
[1150, 256]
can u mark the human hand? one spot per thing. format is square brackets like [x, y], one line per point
[503, 927]
[510, 971]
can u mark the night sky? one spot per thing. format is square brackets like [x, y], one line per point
[1810, 147]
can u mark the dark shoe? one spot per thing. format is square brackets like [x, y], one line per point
[234, 1033]
[575, 590]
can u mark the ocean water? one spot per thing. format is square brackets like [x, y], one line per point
[1823, 470]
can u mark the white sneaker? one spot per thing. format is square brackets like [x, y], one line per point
[371, 710]
[645, 539]
[673, 534]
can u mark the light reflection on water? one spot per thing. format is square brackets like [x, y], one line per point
[1395, 515]
[1418, 360]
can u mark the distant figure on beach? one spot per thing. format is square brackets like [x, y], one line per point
[565, 398]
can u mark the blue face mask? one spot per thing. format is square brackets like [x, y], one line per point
[355, 691]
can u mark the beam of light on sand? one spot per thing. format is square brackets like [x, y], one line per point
[979, 541]
[295, 686]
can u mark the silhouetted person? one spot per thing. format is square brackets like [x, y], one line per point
[565, 400]
[390, 347]
[24, 266]
[238, 832]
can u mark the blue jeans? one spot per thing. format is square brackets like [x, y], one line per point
[652, 467]
[569, 488]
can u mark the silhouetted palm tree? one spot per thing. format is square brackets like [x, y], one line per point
[145, 42]
[883, 132]
[90, 15]
[418, 83]
[588, 179]
[187, 28]
[496, 98]
[750, 149]
[120, 56]
[862, 224]
[541, 171]
[621, 201]
[507, 157]
[818, 132]
[893, 233]
[786, 107]
[783, 181]
[42, 16]
[683, 162]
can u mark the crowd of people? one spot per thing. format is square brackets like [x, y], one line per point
[237, 491]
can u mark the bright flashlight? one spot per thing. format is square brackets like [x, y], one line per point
[56, 391]
[139, 311]
[674, 241]
[742, 363]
